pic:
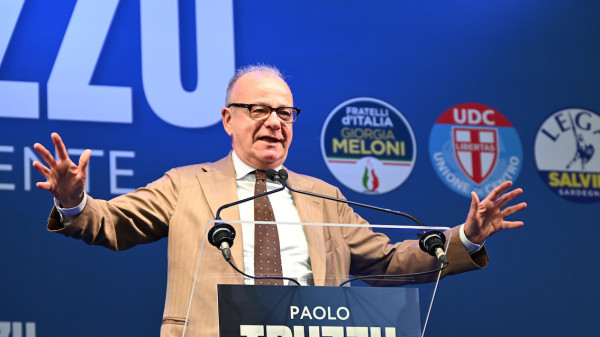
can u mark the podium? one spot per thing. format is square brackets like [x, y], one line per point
[358, 286]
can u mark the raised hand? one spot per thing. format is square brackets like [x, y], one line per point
[487, 217]
[64, 180]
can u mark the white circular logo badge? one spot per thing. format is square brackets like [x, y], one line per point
[368, 145]
[566, 157]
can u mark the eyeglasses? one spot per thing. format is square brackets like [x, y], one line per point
[261, 112]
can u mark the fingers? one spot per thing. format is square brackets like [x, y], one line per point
[500, 199]
[63, 177]
[512, 224]
[61, 150]
[84, 160]
[43, 170]
[474, 201]
[505, 198]
[46, 155]
[513, 209]
[496, 192]
[509, 211]
[43, 185]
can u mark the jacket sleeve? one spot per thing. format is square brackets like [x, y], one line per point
[127, 220]
[373, 253]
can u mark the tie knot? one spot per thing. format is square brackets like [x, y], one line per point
[260, 175]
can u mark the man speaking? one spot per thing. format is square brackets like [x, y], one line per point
[258, 115]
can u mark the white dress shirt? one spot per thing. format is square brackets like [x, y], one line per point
[294, 248]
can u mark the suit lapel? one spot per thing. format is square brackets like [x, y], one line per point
[219, 187]
[310, 209]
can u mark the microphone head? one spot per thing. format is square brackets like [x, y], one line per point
[429, 241]
[272, 174]
[283, 175]
[221, 232]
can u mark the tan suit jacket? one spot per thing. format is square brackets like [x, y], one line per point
[180, 204]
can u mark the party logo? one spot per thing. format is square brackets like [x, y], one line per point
[565, 154]
[473, 147]
[368, 145]
[476, 151]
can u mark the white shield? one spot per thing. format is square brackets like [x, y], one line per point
[476, 151]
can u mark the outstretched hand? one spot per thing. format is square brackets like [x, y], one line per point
[64, 180]
[486, 217]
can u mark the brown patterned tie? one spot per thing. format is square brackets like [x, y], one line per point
[267, 259]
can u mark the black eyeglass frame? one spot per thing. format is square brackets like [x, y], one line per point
[250, 106]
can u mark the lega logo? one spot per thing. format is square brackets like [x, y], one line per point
[474, 147]
[368, 145]
[566, 155]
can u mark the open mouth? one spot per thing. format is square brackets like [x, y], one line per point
[269, 139]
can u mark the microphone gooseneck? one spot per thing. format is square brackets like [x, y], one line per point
[283, 173]
[433, 240]
[222, 234]
[218, 214]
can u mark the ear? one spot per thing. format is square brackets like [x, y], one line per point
[227, 117]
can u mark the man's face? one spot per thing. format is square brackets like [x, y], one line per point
[260, 144]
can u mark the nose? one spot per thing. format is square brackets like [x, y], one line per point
[273, 121]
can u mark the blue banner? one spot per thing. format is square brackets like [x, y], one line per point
[452, 96]
[318, 311]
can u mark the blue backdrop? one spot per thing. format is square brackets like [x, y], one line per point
[141, 83]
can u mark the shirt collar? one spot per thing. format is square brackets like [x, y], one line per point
[242, 169]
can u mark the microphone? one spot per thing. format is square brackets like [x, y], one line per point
[279, 176]
[282, 175]
[218, 215]
[432, 242]
[222, 234]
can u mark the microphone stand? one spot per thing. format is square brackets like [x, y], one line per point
[425, 241]
[221, 235]
[284, 183]
[218, 215]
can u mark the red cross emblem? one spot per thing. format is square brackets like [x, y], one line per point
[476, 151]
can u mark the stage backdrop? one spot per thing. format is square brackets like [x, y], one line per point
[408, 105]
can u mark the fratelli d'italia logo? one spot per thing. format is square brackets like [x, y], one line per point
[565, 154]
[473, 147]
[368, 145]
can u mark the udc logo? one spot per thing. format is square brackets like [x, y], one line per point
[368, 145]
[565, 154]
[473, 147]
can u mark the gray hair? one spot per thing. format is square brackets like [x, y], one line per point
[262, 68]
